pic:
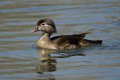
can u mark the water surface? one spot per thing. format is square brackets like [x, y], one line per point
[21, 60]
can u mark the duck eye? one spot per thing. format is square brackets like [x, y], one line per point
[42, 24]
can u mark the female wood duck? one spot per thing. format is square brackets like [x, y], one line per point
[47, 26]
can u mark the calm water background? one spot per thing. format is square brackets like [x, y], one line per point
[21, 60]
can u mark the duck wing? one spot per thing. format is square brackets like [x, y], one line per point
[69, 40]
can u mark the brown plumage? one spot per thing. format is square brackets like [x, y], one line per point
[47, 26]
[73, 41]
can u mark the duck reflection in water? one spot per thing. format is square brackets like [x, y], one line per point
[48, 59]
[47, 63]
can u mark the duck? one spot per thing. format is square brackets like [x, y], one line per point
[47, 27]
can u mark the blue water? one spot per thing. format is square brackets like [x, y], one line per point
[21, 60]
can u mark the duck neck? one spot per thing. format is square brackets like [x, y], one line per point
[45, 42]
[46, 36]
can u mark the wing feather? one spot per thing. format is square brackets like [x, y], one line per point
[68, 39]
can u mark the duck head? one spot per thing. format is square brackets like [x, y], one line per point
[45, 25]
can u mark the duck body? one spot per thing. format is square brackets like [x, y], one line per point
[65, 41]
[61, 42]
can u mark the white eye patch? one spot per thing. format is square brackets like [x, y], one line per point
[44, 24]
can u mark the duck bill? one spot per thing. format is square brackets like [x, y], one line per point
[35, 30]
